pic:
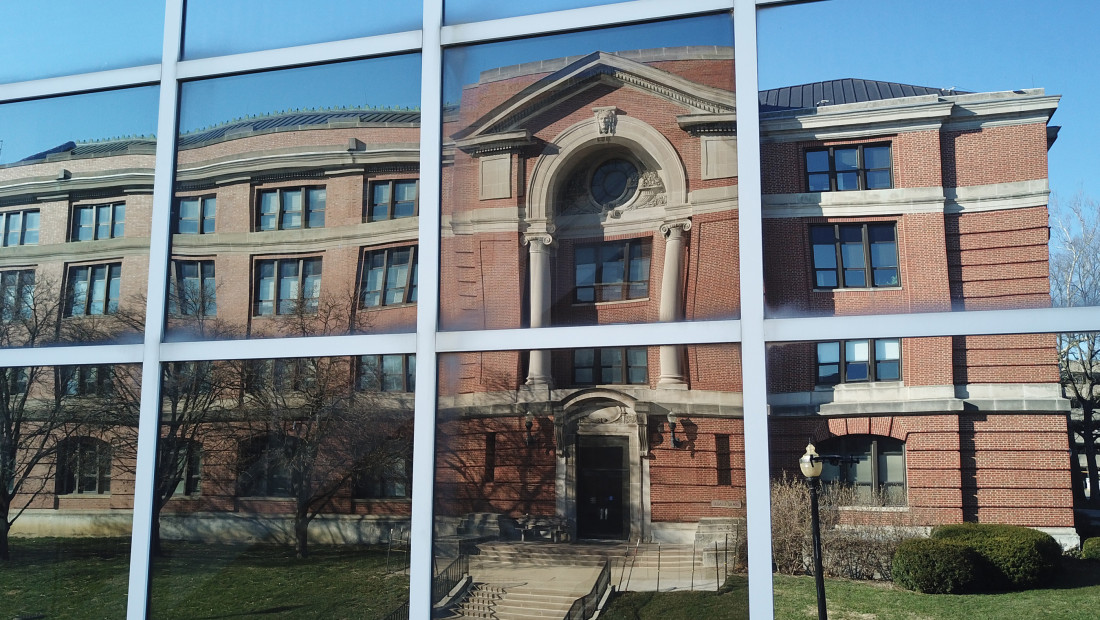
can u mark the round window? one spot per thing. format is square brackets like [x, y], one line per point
[614, 183]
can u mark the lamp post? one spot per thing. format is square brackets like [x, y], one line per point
[810, 464]
[672, 419]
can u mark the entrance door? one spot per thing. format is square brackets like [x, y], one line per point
[602, 488]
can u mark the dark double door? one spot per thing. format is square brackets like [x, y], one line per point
[602, 488]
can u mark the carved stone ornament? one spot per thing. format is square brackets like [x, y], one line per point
[544, 238]
[667, 227]
[606, 119]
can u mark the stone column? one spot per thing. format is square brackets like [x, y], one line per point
[672, 376]
[538, 258]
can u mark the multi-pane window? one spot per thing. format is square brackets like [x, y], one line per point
[386, 373]
[265, 466]
[877, 476]
[15, 381]
[287, 209]
[287, 286]
[195, 216]
[84, 467]
[91, 222]
[612, 271]
[390, 200]
[93, 289]
[19, 228]
[281, 375]
[610, 366]
[844, 168]
[382, 480]
[194, 291]
[722, 460]
[85, 380]
[855, 255]
[852, 361]
[189, 468]
[16, 294]
[388, 278]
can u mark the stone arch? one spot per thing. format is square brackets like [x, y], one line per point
[581, 139]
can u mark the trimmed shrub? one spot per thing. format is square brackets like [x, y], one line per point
[1020, 557]
[937, 566]
[1090, 550]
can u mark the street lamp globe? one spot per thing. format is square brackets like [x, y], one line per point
[810, 463]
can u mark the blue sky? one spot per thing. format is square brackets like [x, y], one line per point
[975, 45]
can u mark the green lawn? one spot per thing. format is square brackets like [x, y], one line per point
[1074, 594]
[85, 578]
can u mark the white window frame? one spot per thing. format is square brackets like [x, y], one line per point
[752, 330]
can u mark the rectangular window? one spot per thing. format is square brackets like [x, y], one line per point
[289, 209]
[855, 255]
[388, 277]
[846, 168]
[386, 373]
[85, 380]
[612, 271]
[390, 200]
[16, 294]
[15, 381]
[490, 457]
[722, 460]
[19, 228]
[610, 366]
[287, 286]
[195, 216]
[855, 361]
[382, 480]
[93, 289]
[91, 222]
[194, 290]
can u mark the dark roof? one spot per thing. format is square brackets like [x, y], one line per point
[297, 120]
[835, 92]
[91, 149]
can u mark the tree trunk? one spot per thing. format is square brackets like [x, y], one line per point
[5, 553]
[155, 547]
[301, 535]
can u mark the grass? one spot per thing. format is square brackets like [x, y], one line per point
[1072, 595]
[87, 578]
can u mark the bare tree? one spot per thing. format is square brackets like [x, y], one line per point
[41, 407]
[313, 436]
[1075, 281]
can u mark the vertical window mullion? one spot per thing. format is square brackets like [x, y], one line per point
[838, 247]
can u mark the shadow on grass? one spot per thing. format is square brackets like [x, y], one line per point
[731, 602]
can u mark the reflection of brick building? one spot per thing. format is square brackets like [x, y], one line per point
[602, 189]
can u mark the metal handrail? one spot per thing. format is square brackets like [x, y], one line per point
[585, 606]
[449, 577]
[401, 613]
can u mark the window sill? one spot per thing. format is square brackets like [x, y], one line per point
[83, 496]
[381, 500]
[875, 508]
[857, 289]
[855, 385]
[582, 304]
[386, 307]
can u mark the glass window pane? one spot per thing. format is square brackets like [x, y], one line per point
[846, 159]
[311, 210]
[216, 28]
[876, 157]
[129, 33]
[817, 161]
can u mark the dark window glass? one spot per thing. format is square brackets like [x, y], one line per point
[84, 467]
[863, 360]
[858, 249]
[85, 380]
[877, 476]
[93, 289]
[386, 373]
[91, 222]
[289, 209]
[610, 366]
[848, 168]
[264, 468]
[392, 199]
[195, 289]
[295, 283]
[722, 460]
[612, 271]
[16, 294]
[388, 277]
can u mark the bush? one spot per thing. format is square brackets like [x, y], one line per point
[937, 566]
[1020, 557]
[1090, 550]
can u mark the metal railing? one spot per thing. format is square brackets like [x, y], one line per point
[449, 577]
[401, 613]
[585, 606]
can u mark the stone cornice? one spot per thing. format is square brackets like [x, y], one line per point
[976, 198]
[77, 251]
[495, 143]
[403, 230]
[254, 164]
[35, 189]
[894, 398]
